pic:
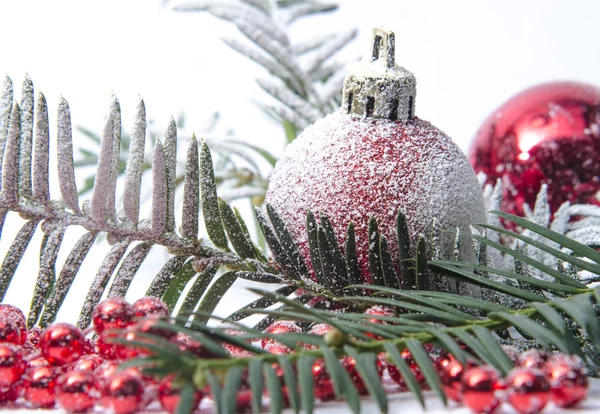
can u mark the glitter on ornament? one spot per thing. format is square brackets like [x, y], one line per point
[372, 158]
[150, 305]
[547, 134]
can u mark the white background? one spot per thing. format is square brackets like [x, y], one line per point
[468, 56]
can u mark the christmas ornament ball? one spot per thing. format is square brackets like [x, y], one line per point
[12, 365]
[39, 386]
[568, 380]
[123, 393]
[547, 134]
[62, 343]
[528, 390]
[480, 386]
[78, 390]
[372, 158]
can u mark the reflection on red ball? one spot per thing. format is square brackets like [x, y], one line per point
[547, 134]
[62, 343]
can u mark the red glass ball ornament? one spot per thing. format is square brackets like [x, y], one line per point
[528, 390]
[104, 348]
[17, 315]
[39, 386]
[323, 385]
[568, 380]
[62, 343]
[123, 393]
[533, 358]
[395, 374]
[78, 391]
[372, 158]
[547, 134]
[169, 395]
[349, 365]
[479, 389]
[10, 331]
[106, 370]
[150, 305]
[451, 372]
[112, 313]
[319, 329]
[12, 364]
[279, 327]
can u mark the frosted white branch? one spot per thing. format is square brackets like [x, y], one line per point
[291, 100]
[102, 180]
[170, 147]
[191, 192]
[10, 167]
[66, 170]
[26, 137]
[115, 109]
[41, 157]
[135, 161]
[159, 190]
[6, 103]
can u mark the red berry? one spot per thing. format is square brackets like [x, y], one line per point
[12, 364]
[529, 391]
[323, 385]
[62, 343]
[412, 365]
[123, 393]
[479, 389]
[150, 305]
[39, 386]
[112, 313]
[78, 391]
[451, 372]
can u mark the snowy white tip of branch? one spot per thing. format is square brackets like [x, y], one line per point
[41, 155]
[6, 103]
[102, 180]
[10, 167]
[26, 137]
[159, 190]
[66, 170]
[135, 161]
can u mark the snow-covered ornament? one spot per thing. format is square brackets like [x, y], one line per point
[374, 157]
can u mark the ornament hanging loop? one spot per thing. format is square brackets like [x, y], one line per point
[384, 47]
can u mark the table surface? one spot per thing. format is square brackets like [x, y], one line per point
[398, 403]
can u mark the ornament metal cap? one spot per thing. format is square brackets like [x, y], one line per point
[378, 88]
